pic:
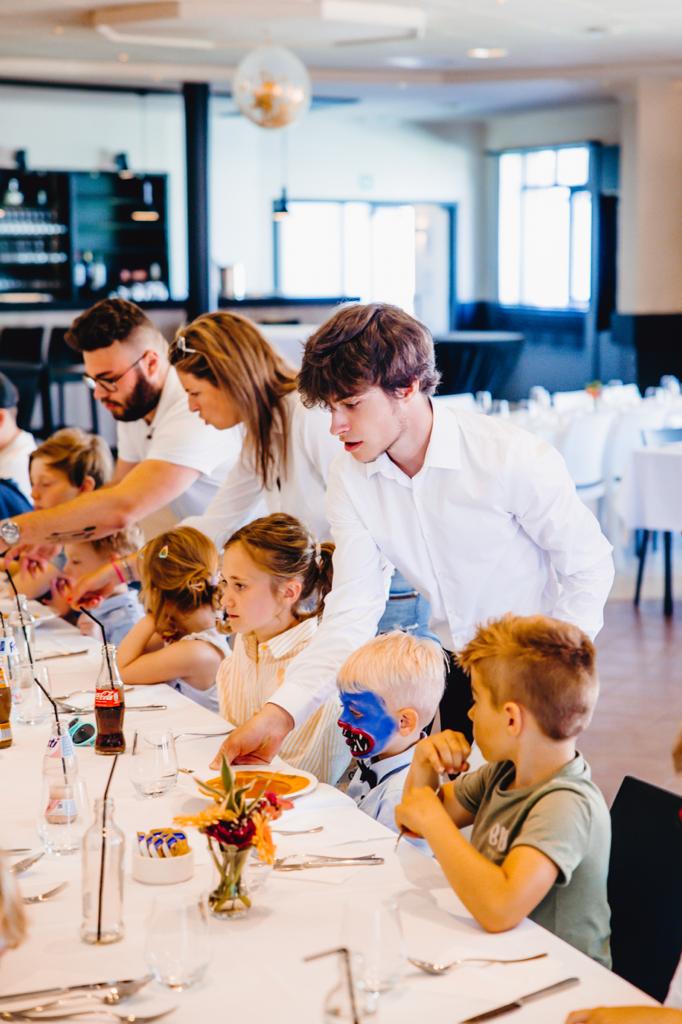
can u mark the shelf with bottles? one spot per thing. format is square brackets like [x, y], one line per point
[34, 235]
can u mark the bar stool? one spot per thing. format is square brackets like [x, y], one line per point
[63, 368]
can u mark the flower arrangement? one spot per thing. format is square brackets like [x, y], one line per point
[234, 824]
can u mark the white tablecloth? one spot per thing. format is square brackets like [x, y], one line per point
[651, 490]
[257, 971]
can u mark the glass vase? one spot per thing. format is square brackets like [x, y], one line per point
[229, 898]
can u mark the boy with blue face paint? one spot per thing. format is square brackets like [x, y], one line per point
[389, 689]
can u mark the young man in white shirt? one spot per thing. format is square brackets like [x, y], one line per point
[480, 517]
[166, 455]
[15, 444]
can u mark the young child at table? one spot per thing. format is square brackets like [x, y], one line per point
[177, 641]
[541, 829]
[275, 580]
[390, 689]
[119, 612]
[69, 463]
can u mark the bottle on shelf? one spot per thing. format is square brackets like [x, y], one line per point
[109, 705]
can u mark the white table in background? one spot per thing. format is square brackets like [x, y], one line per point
[257, 971]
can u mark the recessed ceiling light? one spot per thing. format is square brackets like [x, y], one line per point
[58, 30]
[406, 62]
[123, 58]
[486, 52]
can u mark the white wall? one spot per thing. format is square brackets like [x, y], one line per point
[81, 130]
[593, 122]
[337, 154]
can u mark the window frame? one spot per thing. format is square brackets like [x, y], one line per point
[591, 188]
[449, 207]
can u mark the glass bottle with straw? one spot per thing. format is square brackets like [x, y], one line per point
[103, 855]
[109, 699]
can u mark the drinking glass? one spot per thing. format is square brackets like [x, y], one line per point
[540, 396]
[177, 947]
[64, 814]
[31, 706]
[500, 408]
[373, 934]
[484, 401]
[154, 763]
[348, 1002]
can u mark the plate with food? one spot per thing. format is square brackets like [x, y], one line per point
[39, 612]
[289, 783]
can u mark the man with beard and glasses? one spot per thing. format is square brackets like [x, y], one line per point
[168, 459]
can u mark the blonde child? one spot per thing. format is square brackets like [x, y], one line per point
[275, 580]
[69, 463]
[177, 641]
[390, 689]
[541, 829]
[119, 612]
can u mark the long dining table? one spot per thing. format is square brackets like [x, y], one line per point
[257, 970]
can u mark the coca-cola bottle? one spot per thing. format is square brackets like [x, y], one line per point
[109, 705]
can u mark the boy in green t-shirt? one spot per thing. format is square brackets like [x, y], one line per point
[541, 829]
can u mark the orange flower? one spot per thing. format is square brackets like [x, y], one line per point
[263, 839]
[209, 816]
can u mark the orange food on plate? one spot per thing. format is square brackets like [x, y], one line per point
[262, 781]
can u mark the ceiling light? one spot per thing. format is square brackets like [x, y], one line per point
[486, 52]
[58, 30]
[410, 63]
[123, 58]
[144, 215]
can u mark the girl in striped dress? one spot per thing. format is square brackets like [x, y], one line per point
[275, 579]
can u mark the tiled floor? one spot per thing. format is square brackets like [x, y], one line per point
[640, 706]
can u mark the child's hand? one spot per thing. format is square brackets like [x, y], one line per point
[444, 753]
[417, 809]
[59, 596]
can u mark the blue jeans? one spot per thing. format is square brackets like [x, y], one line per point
[406, 609]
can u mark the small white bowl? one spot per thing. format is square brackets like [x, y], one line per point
[162, 870]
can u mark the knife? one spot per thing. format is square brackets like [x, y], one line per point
[60, 990]
[522, 1000]
[26, 863]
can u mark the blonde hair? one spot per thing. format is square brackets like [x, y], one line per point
[179, 567]
[404, 670]
[78, 455]
[283, 547]
[118, 545]
[544, 664]
[12, 916]
[232, 354]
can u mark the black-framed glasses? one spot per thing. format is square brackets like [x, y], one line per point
[111, 384]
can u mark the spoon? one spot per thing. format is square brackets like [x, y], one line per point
[429, 967]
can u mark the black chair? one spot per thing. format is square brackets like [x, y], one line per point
[651, 439]
[63, 367]
[645, 885]
[22, 360]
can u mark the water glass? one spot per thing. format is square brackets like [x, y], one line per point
[31, 706]
[177, 947]
[154, 763]
[348, 1002]
[64, 814]
[540, 396]
[373, 934]
[484, 401]
[500, 408]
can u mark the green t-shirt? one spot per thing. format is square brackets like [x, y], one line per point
[567, 819]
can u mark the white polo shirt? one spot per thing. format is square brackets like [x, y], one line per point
[490, 524]
[299, 488]
[180, 437]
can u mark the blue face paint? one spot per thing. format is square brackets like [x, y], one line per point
[366, 724]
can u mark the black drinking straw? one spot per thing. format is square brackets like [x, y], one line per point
[103, 854]
[30, 658]
[345, 953]
[104, 638]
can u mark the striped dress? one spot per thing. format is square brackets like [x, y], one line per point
[249, 677]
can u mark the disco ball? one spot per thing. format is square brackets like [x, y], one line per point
[271, 87]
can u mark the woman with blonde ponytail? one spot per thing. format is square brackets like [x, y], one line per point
[177, 641]
[275, 579]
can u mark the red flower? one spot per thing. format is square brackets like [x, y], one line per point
[233, 833]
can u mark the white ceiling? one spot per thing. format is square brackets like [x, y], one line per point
[400, 52]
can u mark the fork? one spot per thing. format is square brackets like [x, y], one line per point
[43, 897]
[295, 832]
[201, 735]
[26, 863]
[435, 968]
[98, 1011]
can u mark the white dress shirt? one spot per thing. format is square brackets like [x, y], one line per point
[180, 437]
[14, 461]
[381, 800]
[490, 524]
[300, 490]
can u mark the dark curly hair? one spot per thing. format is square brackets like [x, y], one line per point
[104, 323]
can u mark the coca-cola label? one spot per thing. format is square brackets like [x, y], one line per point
[107, 699]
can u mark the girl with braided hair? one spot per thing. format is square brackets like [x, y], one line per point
[177, 642]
